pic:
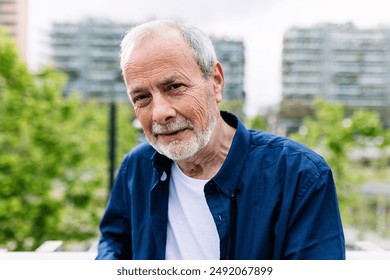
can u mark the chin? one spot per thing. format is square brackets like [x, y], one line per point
[178, 152]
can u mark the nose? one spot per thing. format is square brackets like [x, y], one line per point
[163, 111]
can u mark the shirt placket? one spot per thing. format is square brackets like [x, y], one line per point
[220, 207]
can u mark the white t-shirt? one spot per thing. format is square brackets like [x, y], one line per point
[191, 233]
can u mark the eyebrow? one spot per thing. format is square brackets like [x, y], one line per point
[136, 90]
[167, 81]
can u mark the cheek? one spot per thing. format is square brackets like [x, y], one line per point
[144, 119]
[196, 110]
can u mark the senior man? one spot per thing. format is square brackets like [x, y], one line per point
[205, 187]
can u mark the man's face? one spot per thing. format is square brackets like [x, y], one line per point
[176, 106]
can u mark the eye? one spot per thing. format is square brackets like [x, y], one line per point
[175, 86]
[141, 100]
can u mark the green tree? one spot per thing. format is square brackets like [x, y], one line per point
[336, 136]
[53, 163]
[257, 122]
[235, 106]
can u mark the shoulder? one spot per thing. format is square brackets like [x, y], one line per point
[281, 149]
[292, 165]
[142, 151]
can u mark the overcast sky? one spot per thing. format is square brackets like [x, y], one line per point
[260, 23]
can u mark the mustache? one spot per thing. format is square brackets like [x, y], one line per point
[171, 127]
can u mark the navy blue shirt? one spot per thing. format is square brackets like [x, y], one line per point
[272, 199]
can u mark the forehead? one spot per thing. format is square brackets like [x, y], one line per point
[158, 44]
[162, 54]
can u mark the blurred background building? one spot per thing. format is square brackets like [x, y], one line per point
[338, 62]
[13, 16]
[231, 53]
[88, 52]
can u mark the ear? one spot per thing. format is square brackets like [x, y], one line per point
[218, 81]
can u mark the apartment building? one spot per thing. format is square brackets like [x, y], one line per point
[13, 17]
[88, 52]
[231, 53]
[339, 62]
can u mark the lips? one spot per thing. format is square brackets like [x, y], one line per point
[172, 128]
[171, 133]
[176, 131]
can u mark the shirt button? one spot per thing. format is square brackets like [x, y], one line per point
[164, 176]
[220, 217]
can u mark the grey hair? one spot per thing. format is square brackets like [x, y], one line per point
[202, 47]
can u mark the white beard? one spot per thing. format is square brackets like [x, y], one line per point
[180, 150]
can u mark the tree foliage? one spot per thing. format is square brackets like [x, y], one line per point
[257, 122]
[53, 163]
[337, 136]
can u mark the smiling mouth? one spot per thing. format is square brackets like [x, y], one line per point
[173, 133]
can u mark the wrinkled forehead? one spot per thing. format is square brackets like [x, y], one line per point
[158, 38]
[159, 47]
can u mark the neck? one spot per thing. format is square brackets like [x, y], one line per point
[207, 162]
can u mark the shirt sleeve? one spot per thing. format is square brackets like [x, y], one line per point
[314, 229]
[115, 241]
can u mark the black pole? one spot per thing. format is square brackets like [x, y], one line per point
[112, 142]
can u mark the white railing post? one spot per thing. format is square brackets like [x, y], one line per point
[50, 246]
